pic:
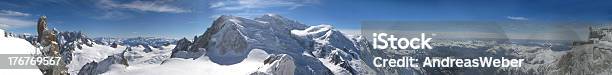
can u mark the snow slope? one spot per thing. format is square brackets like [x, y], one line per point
[12, 45]
[134, 55]
[230, 37]
[201, 66]
[87, 54]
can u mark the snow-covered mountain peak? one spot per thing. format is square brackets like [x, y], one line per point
[230, 39]
[280, 21]
[312, 30]
[272, 16]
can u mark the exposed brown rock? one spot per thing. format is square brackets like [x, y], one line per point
[41, 26]
[47, 38]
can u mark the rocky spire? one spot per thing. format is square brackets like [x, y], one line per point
[41, 26]
[47, 38]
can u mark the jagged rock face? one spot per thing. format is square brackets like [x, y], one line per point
[182, 50]
[202, 41]
[182, 45]
[147, 48]
[71, 41]
[51, 48]
[41, 26]
[589, 59]
[114, 45]
[60, 44]
[74, 37]
[47, 38]
[89, 69]
[151, 41]
[281, 64]
[341, 53]
[128, 49]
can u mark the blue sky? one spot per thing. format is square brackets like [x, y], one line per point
[187, 18]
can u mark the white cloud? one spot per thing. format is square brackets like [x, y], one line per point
[6, 22]
[517, 18]
[217, 4]
[12, 13]
[250, 7]
[256, 4]
[150, 6]
[11, 19]
[245, 14]
[113, 15]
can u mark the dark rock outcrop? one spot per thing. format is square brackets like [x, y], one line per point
[182, 50]
[114, 45]
[147, 48]
[278, 64]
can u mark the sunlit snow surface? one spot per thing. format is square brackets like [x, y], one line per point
[200, 66]
[96, 53]
[12, 45]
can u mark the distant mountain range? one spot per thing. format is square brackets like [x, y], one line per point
[273, 44]
[153, 41]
